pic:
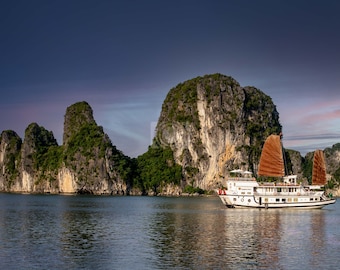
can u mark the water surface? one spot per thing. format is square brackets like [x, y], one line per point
[92, 232]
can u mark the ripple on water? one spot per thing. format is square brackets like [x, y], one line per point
[86, 232]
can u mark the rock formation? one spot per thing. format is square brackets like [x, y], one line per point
[87, 162]
[214, 125]
[208, 126]
[10, 146]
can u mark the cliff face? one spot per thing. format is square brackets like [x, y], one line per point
[10, 146]
[87, 162]
[332, 159]
[208, 126]
[77, 116]
[212, 124]
[294, 163]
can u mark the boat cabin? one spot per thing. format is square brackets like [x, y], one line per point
[290, 179]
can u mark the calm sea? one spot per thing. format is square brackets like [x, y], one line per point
[89, 232]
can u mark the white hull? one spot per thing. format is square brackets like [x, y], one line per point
[253, 202]
[248, 193]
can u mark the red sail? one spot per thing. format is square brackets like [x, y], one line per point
[271, 161]
[319, 169]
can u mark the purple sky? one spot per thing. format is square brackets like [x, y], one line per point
[123, 58]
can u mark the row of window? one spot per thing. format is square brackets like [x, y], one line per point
[289, 199]
[291, 189]
[280, 200]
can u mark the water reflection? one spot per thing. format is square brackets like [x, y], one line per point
[27, 232]
[78, 235]
[79, 232]
[318, 238]
[237, 239]
[184, 235]
[85, 233]
[252, 237]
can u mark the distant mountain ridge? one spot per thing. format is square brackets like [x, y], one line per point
[208, 126]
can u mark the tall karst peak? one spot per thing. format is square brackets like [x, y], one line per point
[212, 124]
[36, 142]
[77, 115]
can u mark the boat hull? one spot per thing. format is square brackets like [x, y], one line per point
[253, 202]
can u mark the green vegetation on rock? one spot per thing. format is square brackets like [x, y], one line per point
[47, 153]
[89, 137]
[156, 168]
[12, 156]
[192, 190]
[208, 124]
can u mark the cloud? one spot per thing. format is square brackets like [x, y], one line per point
[320, 136]
[309, 125]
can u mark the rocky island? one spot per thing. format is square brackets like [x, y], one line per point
[208, 125]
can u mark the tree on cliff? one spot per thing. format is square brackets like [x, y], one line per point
[208, 125]
[157, 168]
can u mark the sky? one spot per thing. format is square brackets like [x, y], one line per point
[123, 57]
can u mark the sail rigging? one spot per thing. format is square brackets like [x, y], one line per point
[271, 161]
[319, 168]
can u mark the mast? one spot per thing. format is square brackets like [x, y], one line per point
[284, 156]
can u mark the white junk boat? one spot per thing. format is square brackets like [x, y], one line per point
[245, 191]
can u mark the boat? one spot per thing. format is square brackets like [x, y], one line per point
[244, 191]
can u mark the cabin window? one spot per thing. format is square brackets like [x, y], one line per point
[279, 190]
[289, 199]
[266, 200]
[234, 199]
[249, 200]
[311, 199]
[277, 200]
[295, 199]
[283, 200]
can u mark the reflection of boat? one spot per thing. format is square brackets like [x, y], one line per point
[244, 191]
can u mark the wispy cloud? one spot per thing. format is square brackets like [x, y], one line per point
[310, 125]
[305, 137]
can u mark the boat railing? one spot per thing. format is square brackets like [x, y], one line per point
[241, 178]
[280, 184]
[287, 193]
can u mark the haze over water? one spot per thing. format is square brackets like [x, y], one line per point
[89, 232]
